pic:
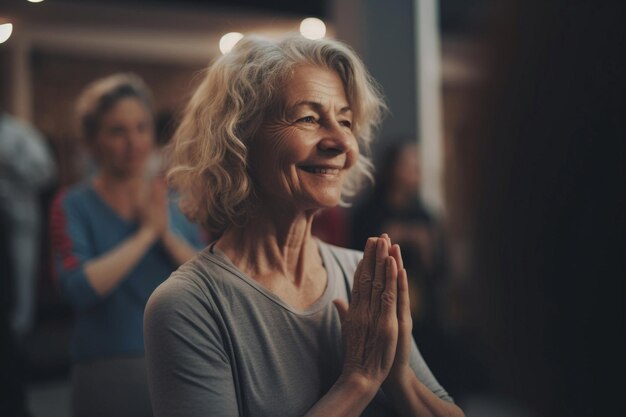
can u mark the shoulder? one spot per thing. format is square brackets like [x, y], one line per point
[345, 255]
[18, 129]
[348, 259]
[70, 199]
[188, 282]
[75, 195]
[193, 289]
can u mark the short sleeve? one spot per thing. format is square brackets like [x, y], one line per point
[423, 373]
[189, 371]
[71, 248]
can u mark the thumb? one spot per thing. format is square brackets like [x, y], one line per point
[342, 308]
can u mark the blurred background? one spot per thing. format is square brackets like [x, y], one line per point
[499, 170]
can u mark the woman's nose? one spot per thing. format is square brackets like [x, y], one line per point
[136, 139]
[337, 138]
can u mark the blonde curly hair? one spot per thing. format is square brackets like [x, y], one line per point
[208, 156]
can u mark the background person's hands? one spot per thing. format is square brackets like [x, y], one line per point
[370, 324]
[153, 211]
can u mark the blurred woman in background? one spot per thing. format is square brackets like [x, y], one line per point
[395, 207]
[115, 238]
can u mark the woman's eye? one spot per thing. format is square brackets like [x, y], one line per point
[116, 131]
[346, 123]
[307, 119]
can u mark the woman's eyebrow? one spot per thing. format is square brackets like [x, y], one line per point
[317, 106]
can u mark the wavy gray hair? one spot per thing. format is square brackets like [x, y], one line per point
[209, 152]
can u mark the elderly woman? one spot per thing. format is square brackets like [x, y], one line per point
[248, 328]
[115, 239]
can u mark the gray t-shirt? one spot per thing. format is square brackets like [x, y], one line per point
[220, 344]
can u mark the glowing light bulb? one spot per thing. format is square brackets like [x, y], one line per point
[312, 28]
[228, 41]
[35, 1]
[5, 31]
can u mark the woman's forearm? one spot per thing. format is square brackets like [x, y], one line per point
[179, 250]
[106, 271]
[412, 398]
[347, 398]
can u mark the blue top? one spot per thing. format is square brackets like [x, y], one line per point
[84, 227]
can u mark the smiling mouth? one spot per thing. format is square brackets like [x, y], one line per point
[319, 170]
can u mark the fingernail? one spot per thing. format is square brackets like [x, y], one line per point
[380, 247]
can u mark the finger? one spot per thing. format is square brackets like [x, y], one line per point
[387, 238]
[378, 284]
[404, 302]
[397, 254]
[367, 271]
[342, 309]
[355, 284]
[390, 295]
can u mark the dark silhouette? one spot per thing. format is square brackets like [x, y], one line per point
[543, 166]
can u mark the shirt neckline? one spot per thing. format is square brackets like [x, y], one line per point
[102, 202]
[217, 256]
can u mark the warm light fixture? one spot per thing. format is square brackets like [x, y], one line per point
[228, 41]
[312, 28]
[5, 31]
[35, 1]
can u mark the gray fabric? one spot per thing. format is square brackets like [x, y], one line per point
[110, 387]
[220, 344]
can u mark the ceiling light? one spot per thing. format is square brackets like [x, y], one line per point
[5, 31]
[312, 28]
[228, 41]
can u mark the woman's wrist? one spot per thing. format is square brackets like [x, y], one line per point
[398, 378]
[359, 384]
[147, 233]
[169, 239]
[168, 235]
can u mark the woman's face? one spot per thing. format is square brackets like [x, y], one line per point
[301, 158]
[125, 138]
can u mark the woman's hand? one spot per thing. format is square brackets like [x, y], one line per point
[153, 212]
[370, 324]
[405, 321]
[105, 272]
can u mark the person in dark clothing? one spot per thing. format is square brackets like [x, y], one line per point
[395, 207]
[12, 392]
